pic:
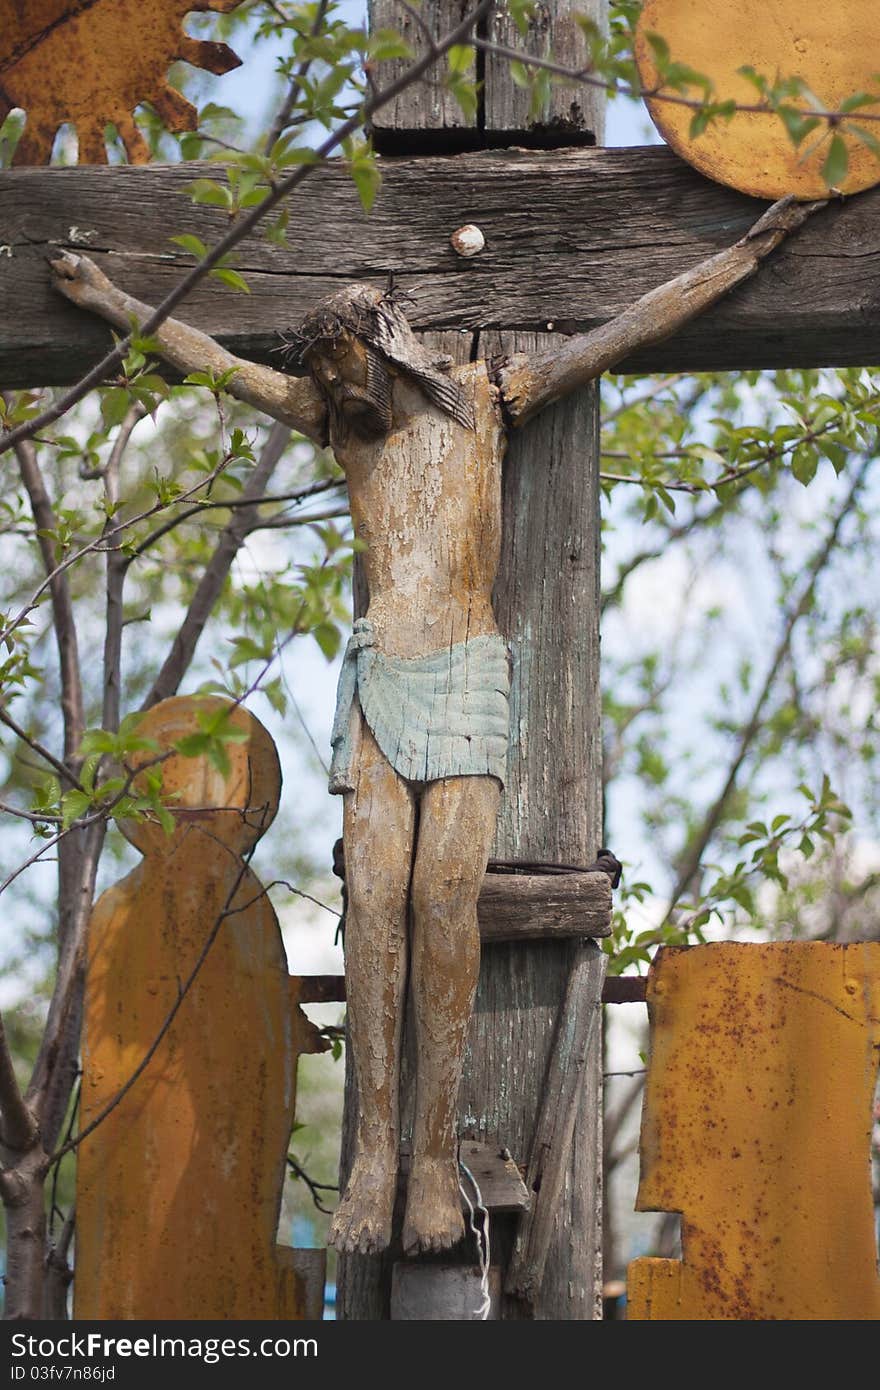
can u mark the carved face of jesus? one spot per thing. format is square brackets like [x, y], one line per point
[356, 383]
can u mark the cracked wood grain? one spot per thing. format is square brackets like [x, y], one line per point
[570, 240]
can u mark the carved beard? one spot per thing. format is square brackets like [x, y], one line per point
[364, 411]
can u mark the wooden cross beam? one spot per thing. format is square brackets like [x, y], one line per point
[572, 237]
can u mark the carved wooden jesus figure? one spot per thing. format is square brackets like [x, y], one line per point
[420, 735]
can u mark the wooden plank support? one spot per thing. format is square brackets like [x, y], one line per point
[330, 989]
[518, 907]
[500, 1180]
[441, 1293]
[576, 1033]
[546, 603]
[570, 240]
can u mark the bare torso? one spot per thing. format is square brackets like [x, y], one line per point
[426, 501]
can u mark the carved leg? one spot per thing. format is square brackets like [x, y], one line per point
[379, 821]
[455, 832]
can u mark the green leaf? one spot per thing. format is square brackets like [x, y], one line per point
[193, 244]
[231, 278]
[367, 179]
[865, 137]
[193, 745]
[114, 406]
[804, 462]
[859, 99]
[836, 162]
[757, 81]
[74, 804]
[210, 193]
[699, 122]
[521, 12]
[460, 58]
[387, 43]
[328, 639]
[660, 49]
[797, 126]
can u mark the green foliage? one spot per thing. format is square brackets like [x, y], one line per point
[735, 480]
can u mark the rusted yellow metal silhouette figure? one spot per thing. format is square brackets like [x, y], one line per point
[91, 62]
[179, 1188]
[756, 1128]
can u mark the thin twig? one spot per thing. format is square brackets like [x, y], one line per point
[657, 388]
[241, 228]
[63, 620]
[284, 883]
[18, 1128]
[314, 1187]
[231, 504]
[116, 569]
[32, 816]
[182, 994]
[279, 125]
[613, 88]
[56, 1172]
[216, 571]
[64, 772]
[694, 852]
[732, 475]
[283, 521]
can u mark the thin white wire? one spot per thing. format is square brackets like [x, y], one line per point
[484, 1252]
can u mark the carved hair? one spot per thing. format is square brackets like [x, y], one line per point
[380, 323]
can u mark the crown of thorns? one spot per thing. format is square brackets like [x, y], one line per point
[376, 317]
[354, 310]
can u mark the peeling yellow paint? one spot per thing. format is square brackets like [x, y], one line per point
[833, 48]
[179, 1188]
[756, 1128]
[92, 62]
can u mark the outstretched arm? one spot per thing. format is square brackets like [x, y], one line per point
[295, 401]
[530, 382]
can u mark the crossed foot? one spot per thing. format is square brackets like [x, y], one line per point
[433, 1219]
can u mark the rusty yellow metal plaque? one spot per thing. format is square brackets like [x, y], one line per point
[179, 1186]
[91, 62]
[833, 48]
[757, 1129]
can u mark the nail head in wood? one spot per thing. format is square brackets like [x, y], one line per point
[468, 240]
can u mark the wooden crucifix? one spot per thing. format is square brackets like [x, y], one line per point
[421, 730]
[545, 600]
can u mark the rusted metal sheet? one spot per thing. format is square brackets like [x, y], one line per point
[92, 62]
[179, 1188]
[833, 48]
[756, 1128]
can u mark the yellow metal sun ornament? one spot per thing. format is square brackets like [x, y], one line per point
[91, 62]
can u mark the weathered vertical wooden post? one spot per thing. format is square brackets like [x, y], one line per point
[546, 603]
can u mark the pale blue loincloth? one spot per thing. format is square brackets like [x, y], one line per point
[441, 715]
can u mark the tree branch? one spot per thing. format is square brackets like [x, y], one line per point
[62, 605]
[240, 229]
[116, 569]
[100, 544]
[282, 118]
[64, 773]
[18, 1127]
[212, 581]
[591, 79]
[694, 852]
[298, 495]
